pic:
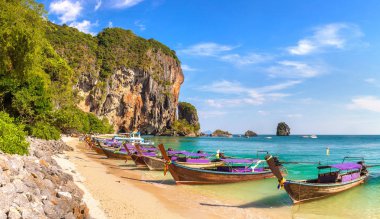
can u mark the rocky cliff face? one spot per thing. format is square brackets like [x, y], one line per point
[133, 99]
[133, 82]
[282, 129]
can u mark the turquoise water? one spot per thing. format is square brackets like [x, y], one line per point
[360, 202]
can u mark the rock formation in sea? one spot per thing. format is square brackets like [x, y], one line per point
[283, 129]
[188, 112]
[35, 186]
[250, 133]
[133, 82]
[221, 133]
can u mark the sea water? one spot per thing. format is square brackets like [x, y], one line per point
[360, 202]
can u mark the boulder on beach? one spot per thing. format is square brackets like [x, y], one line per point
[250, 133]
[283, 129]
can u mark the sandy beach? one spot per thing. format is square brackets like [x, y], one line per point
[116, 189]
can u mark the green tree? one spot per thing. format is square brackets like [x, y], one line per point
[12, 136]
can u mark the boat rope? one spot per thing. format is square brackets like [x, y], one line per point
[281, 183]
[166, 166]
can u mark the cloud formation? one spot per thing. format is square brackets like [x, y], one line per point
[335, 35]
[126, 3]
[369, 103]
[83, 26]
[249, 59]
[140, 25]
[294, 69]
[245, 95]
[206, 49]
[66, 10]
[188, 68]
[98, 4]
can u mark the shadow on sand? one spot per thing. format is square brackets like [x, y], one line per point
[164, 182]
[275, 201]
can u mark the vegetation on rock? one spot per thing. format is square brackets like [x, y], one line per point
[282, 129]
[187, 119]
[119, 47]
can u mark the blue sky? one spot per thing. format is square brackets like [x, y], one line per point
[251, 64]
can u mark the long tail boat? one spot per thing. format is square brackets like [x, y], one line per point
[139, 161]
[114, 153]
[338, 178]
[158, 163]
[92, 145]
[223, 174]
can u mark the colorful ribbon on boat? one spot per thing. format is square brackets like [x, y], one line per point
[166, 167]
[281, 183]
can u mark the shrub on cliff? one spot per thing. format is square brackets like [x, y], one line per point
[72, 119]
[46, 131]
[183, 128]
[12, 136]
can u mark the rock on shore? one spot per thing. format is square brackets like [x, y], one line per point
[35, 186]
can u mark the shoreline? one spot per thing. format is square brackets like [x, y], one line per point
[121, 190]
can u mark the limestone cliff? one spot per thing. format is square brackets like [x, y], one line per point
[133, 82]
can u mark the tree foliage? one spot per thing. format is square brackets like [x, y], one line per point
[36, 83]
[12, 136]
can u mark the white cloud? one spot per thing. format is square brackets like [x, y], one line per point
[206, 49]
[297, 115]
[240, 60]
[370, 103]
[140, 25]
[188, 68]
[98, 4]
[66, 10]
[370, 80]
[211, 114]
[280, 86]
[263, 113]
[245, 95]
[83, 26]
[110, 24]
[126, 3]
[335, 35]
[294, 69]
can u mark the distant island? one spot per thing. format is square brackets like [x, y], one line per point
[221, 133]
[250, 133]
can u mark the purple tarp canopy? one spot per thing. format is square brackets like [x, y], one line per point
[149, 154]
[188, 154]
[237, 160]
[202, 161]
[346, 166]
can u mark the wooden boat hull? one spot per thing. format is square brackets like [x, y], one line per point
[300, 191]
[98, 150]
[139, 160]
[111, 154]
[154, 163]
[188, 175]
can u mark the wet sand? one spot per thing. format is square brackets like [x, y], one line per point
[123, 191]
